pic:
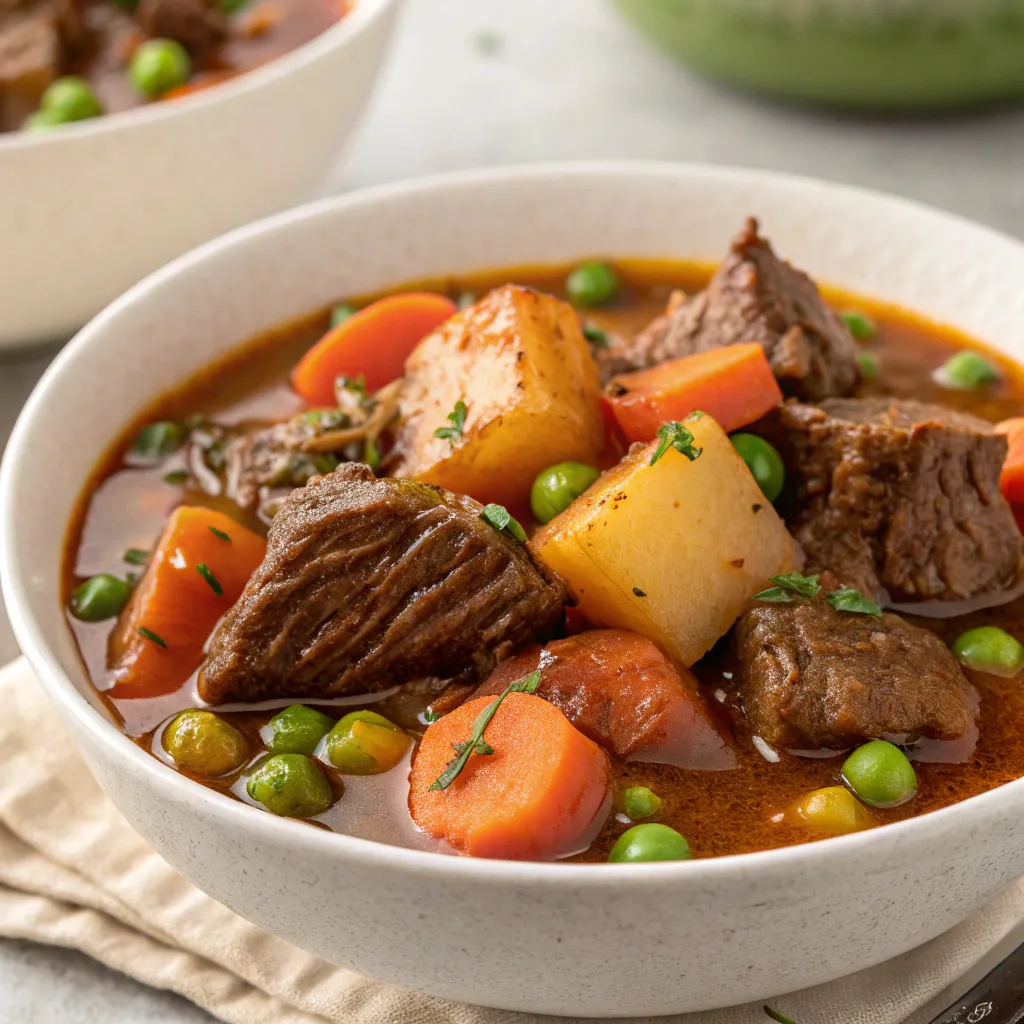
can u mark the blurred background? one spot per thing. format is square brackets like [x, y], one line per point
[472, 83]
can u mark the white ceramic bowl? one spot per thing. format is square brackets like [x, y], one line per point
[597, 940]
[88, 210]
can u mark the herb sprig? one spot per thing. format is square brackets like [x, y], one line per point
[136, 556]
[502, 520]
[674, 435]
[786, 585]
[220, 534]
[850, 600]
[204, 571]
[476, 744]
[779, 1018]
[457, 421]
[148, 634]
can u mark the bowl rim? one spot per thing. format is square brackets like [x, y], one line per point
[170, 785]
[354, 23]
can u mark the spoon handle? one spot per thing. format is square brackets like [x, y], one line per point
[997, 999]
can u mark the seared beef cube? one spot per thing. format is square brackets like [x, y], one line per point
[754, 296]
[199, 25]
[371, 583]
[34, 37]
[814, 677]
[900, 497]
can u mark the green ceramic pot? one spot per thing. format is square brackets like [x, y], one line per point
[882, 54]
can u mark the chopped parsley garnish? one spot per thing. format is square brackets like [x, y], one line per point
[779, 1018]
[157, 440]
[595, 336]
[340, 313]
[220, 534]
[457, 420]
[501, 519]
[788, 584]
[849, 600]
[476, 744]
[862, 327]
[867, 366]
[371, 454]
[674, 435]
[357, 385]
[326, 419]
[136, 556]
[204, 571]
[324, 462]
[148, 634]
[175, 477]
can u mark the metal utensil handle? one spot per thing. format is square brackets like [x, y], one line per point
[997, 999]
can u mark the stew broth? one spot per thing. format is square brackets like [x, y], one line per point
[722, 812]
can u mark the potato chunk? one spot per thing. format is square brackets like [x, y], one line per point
[672, 550]
[521, 365]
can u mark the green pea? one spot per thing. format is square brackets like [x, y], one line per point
[640, 802]
[340, 313]
[558, 486]
[880, 774]
[203, 743]
[291, 785]
[861, 326]
[365, 743]
[763, 461]
[100, 597]
[968, 371]
[649, 842]
[70, 99]
[867, 365]
[990, 649]
[157, 440]
[592, 284]
[158, 66]
[296, 730]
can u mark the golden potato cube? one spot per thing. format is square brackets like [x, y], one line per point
[673, 550]
[520, 363]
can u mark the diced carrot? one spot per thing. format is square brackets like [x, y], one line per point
[159, 641]
[622, 690]
[535, 798]
[373, 342]
[1011, 479]
[734, 384]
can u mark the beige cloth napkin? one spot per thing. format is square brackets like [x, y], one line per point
[73, 873]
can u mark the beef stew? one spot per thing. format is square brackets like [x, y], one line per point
[514, 634]
[68, 60]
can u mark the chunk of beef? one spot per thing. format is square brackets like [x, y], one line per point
[753, 296]
[199, 25]
[369, 583]
[813, 677]
[901, 498]
[36, 37]
[619, 689]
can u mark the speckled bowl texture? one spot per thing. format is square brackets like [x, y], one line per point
[91, 208]
[877, 54]
[602, 940]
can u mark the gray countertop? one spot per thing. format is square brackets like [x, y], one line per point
[478, 82]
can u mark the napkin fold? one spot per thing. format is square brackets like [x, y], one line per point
[73, 873]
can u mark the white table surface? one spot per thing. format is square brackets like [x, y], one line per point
[477, 82]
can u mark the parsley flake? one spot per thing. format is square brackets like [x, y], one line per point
[501, 519]
[175, 477]
[457, 420]
[476, 744]
[220, 534]
[788, 584]
[595, 336]
[136, 556]
[148, 634]
[674, 435]
[779, 1018]
[849, 600]
[204, 571]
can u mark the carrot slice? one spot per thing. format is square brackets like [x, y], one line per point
[734, 384]
[373, 342]
[535, 798]
[159, 641]
[1011, 479]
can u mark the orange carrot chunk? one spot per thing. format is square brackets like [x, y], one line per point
[536, 797]
[1011, 479]
[734, 384]
[196, 573]
[373, 342]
